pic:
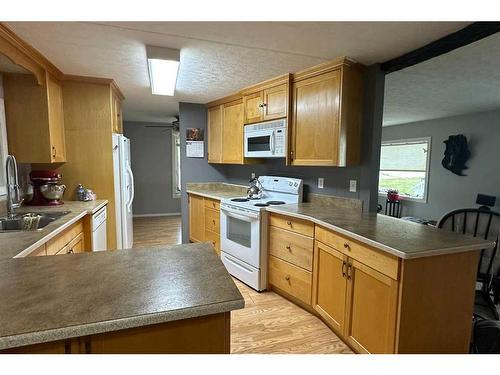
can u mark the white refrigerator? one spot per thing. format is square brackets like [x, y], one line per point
[124, 191]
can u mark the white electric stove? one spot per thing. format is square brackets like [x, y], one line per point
[244, 229]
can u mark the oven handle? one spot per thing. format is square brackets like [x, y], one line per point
[249, 218]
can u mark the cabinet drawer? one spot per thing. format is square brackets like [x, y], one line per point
[291, 279]
[212, 220]
[214, 239]
[292, 247]
[59, 242]
[74, 246]
[212, 203]
[376, 259]
[295, 225]
[40, 252]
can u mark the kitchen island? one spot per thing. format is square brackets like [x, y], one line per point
[173, 299]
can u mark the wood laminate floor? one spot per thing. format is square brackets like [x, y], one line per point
[154, 231]
[269, 324]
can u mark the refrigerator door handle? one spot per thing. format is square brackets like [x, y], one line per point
[129, 171]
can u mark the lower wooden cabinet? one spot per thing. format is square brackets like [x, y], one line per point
[371, 309]
[204, 220]
[330, 286]
[69, 241]
[196, 218]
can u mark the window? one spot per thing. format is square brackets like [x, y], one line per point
[3, 148]
[404, 166]
[176, 164]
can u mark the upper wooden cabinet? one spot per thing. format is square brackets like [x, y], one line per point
[215, 134]
[35, 119]
[327, 115]
[225, 131]
[116, 112]
[268, 100]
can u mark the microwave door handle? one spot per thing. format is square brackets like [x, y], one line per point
[272, 142]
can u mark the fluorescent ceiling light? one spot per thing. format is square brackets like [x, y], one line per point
[163, 65]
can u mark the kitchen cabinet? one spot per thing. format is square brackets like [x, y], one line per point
[327, 115]
[266, 101]
[196, 218]
[215, 134]
[71, 240]
[371, 309]
[373, 300]
[40, 252]
[116, 113]
[204, 220]
[35, 119]
[330, 285]
[232, 133]
[90, 123]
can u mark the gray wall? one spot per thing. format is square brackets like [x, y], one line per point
[448, 191]
[151, 151]
[336, 179]
[194, 169]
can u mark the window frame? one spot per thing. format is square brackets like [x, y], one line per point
[176, 163]
[427, 166]
[3, 147]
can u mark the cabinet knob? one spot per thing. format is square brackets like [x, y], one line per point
[346, 245]
[289, 223]
[289, 248]
[287, 277]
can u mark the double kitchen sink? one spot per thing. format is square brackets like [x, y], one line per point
[29, 220]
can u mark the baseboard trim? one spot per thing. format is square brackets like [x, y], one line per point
[159, 215]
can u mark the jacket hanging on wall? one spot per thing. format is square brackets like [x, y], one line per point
[456, 154]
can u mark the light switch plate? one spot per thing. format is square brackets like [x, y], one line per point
[321, 182]
[253, 175]
[353, 186]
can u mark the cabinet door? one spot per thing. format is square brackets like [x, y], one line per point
[232, 133]
[56, 120]
[253, 107]
[275, 102]
[196, 218]
[371, 309]
[330, 285]
[315, 125]
[215, 134]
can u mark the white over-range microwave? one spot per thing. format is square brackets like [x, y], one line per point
[266, 139]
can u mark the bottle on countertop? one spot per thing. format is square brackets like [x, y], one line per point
[80, 192]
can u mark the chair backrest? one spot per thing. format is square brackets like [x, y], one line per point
[478, 222]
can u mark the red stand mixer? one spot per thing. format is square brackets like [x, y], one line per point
[46, 188]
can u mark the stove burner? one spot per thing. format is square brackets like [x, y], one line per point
[261, 204]
[239, 200]
[275, 203]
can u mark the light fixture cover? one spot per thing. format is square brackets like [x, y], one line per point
[163, 65]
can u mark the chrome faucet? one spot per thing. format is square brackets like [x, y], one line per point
[13, 201]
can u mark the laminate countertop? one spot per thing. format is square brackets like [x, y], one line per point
[59, 297]
[216, 190]
[404, 239]
[21, 243]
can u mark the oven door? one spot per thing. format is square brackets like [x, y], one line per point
[260, 143]
[240, 234]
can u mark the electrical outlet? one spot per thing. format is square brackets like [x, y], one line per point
[353, 186]
[321, 182]
[253, 174]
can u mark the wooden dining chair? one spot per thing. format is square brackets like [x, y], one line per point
[485, 223]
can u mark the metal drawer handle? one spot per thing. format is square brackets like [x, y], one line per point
[346, 245]
[289, 223]
[287, 277]
[349, 267]
[343, 269]
[289, 248]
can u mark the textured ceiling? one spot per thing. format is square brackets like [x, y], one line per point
[216, 58]
[465, 80]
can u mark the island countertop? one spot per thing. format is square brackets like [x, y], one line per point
[59, 297]
[404, 239]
